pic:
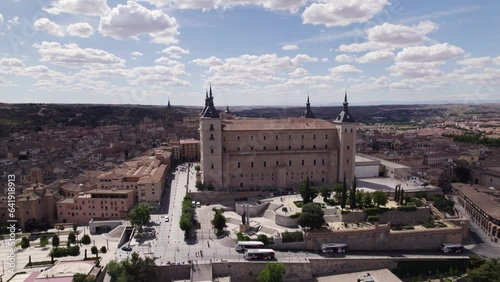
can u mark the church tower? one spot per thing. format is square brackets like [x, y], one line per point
[211, 143]
[346, 127]
[170, 116]
[308, 113]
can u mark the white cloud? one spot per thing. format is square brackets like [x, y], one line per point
[343, 58]
[343, 69]
[71, 55]
[475, 62]
[11, 63]
[324, 60]
[291, 5]
[434, 53]
[375, 57]
[175, 52]
[342, 13]
[298, 72]
[303, 58]
[131, 20]
[289, 47]
[401, 35]
[212, 61]
[136, 54]
[49, 27]
[390, 36]
[169, 62]
[497, 60]
[416, 69]
[85, 7]
[80, 29]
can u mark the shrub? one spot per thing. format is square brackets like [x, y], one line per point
[93, 250]
[263, 238]
[59, 252]
[71, 237]
[296, 236]
[295, 215]
[372, 218]
[86, 239]
[25, 243]
[210, 187]
[418, 203]
[74, 251]
[220, 232]
[344, 212]
[375, 211]
[103, 249]
[298, 203]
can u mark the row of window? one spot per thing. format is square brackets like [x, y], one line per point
[264, 164]
[276, 136]
[212, 151]
[302, 178]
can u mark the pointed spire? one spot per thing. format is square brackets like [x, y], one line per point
[308, 98]
[206, 94]
[210, 89]
[308, 113]
[168, 105]
[345, 97]
[345, 116]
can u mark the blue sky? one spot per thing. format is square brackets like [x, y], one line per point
[253, 52]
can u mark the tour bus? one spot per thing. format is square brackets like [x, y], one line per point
[452, 248]
[267, 254]
[334, 248]
[243, 245]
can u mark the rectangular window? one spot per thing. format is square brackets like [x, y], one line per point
[289, 147]
[238, 149]
[314, 136]
[326, 136]
[251, 148]
[211, 136]
[276, 137]
[238, 138]
[212, 151]
[211, 127]
[348, 147]
[302, 136]
[289, 137]
[326, 146]
[264, 137]
[264, 148]
[323, 161]
[239, 165]
[277, 163]
[276, 148]
[302, 147]
[314, 162]
[302, 162]
[290, 163]
[265, 163]
[251, 164]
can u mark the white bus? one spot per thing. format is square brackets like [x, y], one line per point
[243, 245]
[267, 254]
[451, 248]
[334, 248]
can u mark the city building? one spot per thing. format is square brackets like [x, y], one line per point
[36, 206]
[190, 149]
[96, 204]
[257, 153]
[482, 205]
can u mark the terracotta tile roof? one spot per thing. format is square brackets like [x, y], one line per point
[276, 124]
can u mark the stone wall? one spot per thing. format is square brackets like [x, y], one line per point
[382, 238]
[173, 272]
[393, 216]
[279, 245]
[344, 265]
[283, 219]
[248, 272]
[222, 197]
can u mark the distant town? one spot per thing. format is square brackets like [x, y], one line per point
[387, 193]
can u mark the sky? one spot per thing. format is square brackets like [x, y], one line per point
[252, 52]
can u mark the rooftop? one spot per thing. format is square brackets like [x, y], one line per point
[482, 197]
[277, 124]
[389, 184]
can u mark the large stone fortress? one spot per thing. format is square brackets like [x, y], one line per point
[260, 153]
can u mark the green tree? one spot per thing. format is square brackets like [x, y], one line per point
[93, 250]
[25, 243]
[219, 221]
[273, 272]
[311, 216]
[263, 238]
[55, 241]
[71, 237]
[86, 239]
[487, 272]
[337, 188]
[343, 198]
[380, 198]
[396, 192]
[133, 269]
[44, 241]
[80, 277]
[359, 199]
[367, 199]
[307, 192]
[401, 196]
[186, 224]
[352, 194]
[325, 192]
[140, 215]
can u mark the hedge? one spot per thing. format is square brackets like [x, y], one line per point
[407, 208]
[373, 218]
[375, 211]
[296, 236]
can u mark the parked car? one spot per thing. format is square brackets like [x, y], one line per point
[127, 248]
[166, 218]
[198, 204]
